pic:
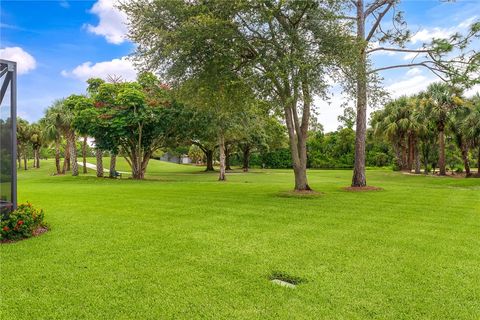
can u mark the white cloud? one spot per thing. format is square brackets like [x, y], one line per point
[117, 67]
[112, 22]
[329, 110]
[409, 86]
[427, 34]
[466, 23]
[413, 72]
[473, 90]
[376, 44]
[64, 4]
[25, 61]
[412, 55]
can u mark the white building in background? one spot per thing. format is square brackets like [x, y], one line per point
[183, 159]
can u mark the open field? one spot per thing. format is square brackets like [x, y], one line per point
[183, 245]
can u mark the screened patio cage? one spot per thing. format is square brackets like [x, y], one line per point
[8, 139]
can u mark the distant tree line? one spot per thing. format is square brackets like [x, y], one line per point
[283, 53]
[435, 129]
[438, 128]
[234, 67]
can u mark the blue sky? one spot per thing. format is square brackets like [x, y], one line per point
[60, 44]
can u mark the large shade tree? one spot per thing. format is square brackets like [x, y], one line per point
[227, 98]
[282, 48]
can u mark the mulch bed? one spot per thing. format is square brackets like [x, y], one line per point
[362, 189]
[37, 232]
[300, 194]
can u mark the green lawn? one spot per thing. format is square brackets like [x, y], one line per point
[183, 245]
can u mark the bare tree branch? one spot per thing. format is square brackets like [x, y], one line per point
[378, 20]
[425, 64]
[376, 5]
[399, 50]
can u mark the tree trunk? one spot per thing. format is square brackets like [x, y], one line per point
[441, 157]
[144, 164]
[478, 162]
[246, 158]
[66, 160]
[137, 173]
[227, 158]
[19, 159]
[359, 176]
[137, 157]
[99, 156]
[410, 153]
[466, 163]
[84, 154]
[404, 159]
[417, 158]
[138, 162]
[73, 154]
[209, 156]
[25, 165]
[57, 156]
[425, 164]
[398, 155]
[221, 145]
[298, 150]
[38, 158]
[113, 163]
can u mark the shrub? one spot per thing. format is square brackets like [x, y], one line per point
[278, 159]
[21, 223]
[378, 159]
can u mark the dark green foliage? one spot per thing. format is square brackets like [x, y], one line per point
[332, 150]
[278, 159]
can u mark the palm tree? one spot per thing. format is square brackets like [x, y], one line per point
[471, 128]
[61, 118]
[51, 123]
[440, 99]
[70, 135]
[24, 134]
[414, 128]
[455, 124]
[396, 122]
[426, 132]
[37, 141]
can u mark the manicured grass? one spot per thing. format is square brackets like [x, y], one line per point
[183, 245]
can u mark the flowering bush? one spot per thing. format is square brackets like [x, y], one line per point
[21, 223]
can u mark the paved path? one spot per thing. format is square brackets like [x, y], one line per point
[94, 167]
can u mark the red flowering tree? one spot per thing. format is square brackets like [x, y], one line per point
[131, 116]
